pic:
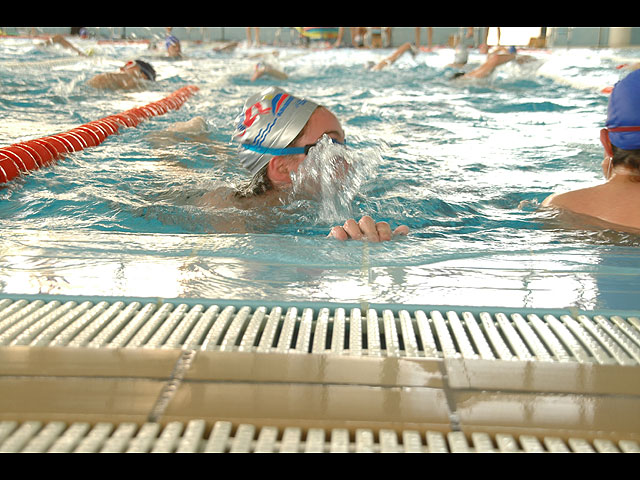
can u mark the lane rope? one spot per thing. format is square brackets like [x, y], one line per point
[20, 158]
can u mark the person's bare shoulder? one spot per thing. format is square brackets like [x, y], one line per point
[572, 200]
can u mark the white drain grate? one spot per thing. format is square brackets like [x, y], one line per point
[223, 437]
[427, 333]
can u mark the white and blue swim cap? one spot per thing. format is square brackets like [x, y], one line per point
[171, 40]
[269, 122]
[623, 113]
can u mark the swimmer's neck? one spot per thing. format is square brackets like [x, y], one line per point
[623, 175]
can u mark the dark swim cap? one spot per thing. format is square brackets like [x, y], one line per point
[624, 111]
[147, 70]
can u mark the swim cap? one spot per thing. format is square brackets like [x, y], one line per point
[624, 111]
[147, 70]
[171, 40]
[269, 119]
[512, 50]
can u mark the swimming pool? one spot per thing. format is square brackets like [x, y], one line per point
[463, 164]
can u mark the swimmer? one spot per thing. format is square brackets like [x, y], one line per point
[275, 132]
[617, 201]
[496, 58]
[134, 74]
[406, 47]
[172, 44]
[60, 40]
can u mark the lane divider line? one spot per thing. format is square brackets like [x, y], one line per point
[20, 158]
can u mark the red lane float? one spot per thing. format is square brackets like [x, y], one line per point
[23, 157]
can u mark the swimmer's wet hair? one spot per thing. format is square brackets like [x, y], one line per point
[147, 70]
[258, 185]
[627, 158]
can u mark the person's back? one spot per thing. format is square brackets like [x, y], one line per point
[134, 74]
[617, 201]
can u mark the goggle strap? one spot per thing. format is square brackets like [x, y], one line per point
[282, 151]
[274, 151]
[624, 129]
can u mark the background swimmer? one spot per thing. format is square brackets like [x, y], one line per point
[262, 68]
[172, 44]
[496, 58]
[617, 201]
[391, 59]
[134, 74]
[60, 40]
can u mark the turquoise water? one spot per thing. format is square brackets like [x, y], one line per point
[464, 164]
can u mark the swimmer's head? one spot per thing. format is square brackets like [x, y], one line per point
[624, 111]
[512, 50]
[145, 68]
[270, 121]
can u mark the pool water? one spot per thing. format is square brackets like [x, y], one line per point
[464, 164]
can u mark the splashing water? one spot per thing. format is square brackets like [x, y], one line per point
[332, 175]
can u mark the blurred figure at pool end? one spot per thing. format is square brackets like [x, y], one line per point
[429, 39]
[171, 42]
[275, 132]
[617, 201]
[321, 36]
[134, 74]
[256, 36]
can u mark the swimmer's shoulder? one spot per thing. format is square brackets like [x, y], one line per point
[569, 200]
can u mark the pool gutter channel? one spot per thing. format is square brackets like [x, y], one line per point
[560, 374]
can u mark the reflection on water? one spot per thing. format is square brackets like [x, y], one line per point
[170, 266]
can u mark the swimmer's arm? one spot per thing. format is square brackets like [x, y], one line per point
[367, 229]
[65, 43]
[264, 69]
[279, 74]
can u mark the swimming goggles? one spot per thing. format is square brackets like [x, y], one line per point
[606, 142]
[285, 151]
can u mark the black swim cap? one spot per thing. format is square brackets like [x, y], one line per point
[147, 70]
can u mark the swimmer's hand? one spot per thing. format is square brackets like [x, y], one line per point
[366, 229]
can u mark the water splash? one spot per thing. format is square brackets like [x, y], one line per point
[332, 175]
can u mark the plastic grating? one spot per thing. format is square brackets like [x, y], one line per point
[381, 332]
[224, 437]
